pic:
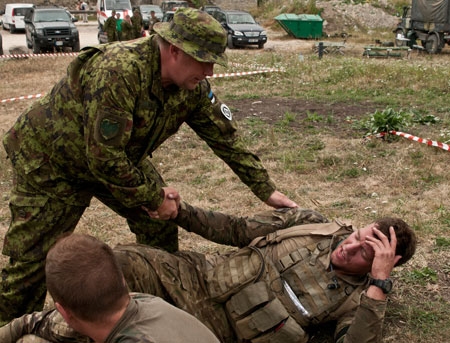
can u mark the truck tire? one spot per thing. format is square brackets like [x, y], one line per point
[76, 47]
[433, 43]
[230, 44]
[36, 48]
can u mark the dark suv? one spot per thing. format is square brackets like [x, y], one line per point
[51, 29]
[242, 29]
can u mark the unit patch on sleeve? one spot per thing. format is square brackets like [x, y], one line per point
[226, 112]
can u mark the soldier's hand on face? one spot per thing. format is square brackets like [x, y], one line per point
[279, 200]
[384, 259]
[169, 207]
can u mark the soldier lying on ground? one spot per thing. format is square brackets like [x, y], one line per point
[279, 284]
[91, 297]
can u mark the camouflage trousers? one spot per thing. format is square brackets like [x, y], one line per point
[37, 220]
[179, 278]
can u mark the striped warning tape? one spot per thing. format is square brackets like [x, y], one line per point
[39, 55]
[417, 139]
[267, 70]
[27, 97]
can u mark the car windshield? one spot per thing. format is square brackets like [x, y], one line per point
[51, 16]
[21, 11]
[118, 4]
[147, 9]
[240, 18]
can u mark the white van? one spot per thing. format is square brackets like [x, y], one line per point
[104, 8]
[13, 17]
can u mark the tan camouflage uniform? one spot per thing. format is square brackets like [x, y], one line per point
[147, 319]
[242, 297]
[92, 136]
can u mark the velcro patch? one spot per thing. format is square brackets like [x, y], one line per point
[226, 112]
[109, 128]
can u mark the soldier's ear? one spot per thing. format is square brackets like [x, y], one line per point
[66, 314]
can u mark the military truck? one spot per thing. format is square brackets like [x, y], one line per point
[427, 21]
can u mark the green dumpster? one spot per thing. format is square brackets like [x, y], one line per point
[301, 25]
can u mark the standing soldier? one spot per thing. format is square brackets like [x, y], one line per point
[152, 21]
[138, 25]
[110, 27]
[94, 134]
[127, 29]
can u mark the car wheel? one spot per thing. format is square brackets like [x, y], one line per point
[230, 42]
[36, 48]
[1, 45]
[12, 28]
[76, 47]
[260, 45]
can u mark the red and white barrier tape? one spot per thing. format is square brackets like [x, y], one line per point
[418, 139]
[26, 97]
[39, 55]
[267, 70]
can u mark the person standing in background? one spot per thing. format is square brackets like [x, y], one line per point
[138, 25]
[119, 26]
[110, 27]
[127, 29]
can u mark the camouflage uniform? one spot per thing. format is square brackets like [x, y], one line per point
[243, 296]
[127, 31]
[147, 319]
[247, 302]
[92, 136]
[136, 20]
[110, 28]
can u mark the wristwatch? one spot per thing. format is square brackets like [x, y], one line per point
[385, 285]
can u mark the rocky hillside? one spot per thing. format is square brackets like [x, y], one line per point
[342, 17]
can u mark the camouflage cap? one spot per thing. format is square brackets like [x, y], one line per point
[196, 33]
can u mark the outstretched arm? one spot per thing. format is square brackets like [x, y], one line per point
[240, 231]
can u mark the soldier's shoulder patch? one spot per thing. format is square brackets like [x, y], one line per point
[226, 111]
[109, 128]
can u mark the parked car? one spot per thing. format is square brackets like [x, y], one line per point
[145, 12]
[173, 5]
[210, 9]
[168, 16]
[13, 16]
[50, 29]
[242, 28]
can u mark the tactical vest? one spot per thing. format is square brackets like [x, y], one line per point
[271, 300]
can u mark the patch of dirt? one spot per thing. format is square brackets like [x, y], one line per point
[336, 117]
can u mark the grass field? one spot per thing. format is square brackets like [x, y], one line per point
[307, 122]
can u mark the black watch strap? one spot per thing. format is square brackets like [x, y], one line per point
[384, 285]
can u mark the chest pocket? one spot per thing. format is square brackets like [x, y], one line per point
[314, 291]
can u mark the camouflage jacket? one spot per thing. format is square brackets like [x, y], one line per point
[110, 28]
[147, 319]
[102, 120]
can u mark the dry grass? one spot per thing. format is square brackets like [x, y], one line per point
[314, 152]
